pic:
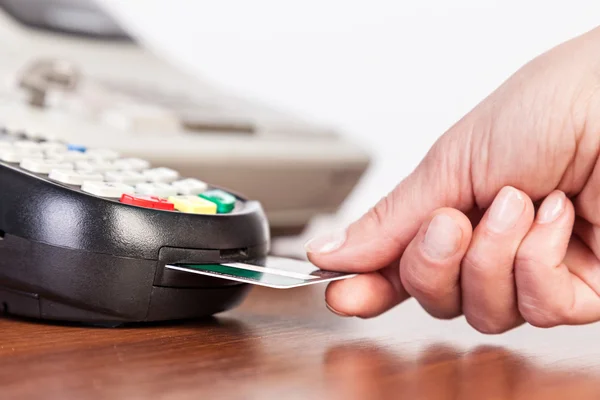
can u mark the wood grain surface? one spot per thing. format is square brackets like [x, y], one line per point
[286, 345]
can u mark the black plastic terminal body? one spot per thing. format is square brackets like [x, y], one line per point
[70, 256]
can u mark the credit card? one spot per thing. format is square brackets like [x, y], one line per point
[278, 272]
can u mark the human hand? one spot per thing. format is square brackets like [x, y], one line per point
[463, 234]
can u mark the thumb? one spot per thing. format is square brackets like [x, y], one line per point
[379, 237]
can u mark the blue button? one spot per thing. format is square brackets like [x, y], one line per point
[76, 147]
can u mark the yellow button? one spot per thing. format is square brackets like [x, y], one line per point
[193, 205]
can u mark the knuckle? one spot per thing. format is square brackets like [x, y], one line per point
[526, 262]
[477, 263]
[380, 216]
[538, 310]
[382, 211]
[539, 313]
[424, 286]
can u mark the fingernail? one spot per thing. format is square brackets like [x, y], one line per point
[336, 312]
[551, 208]
[442, 238]
[506, 210]
[326, 243]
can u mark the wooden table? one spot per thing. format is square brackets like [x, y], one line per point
[286, 345]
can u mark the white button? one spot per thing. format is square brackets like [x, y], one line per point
[17, 155]
[67, 156]
[161, 175]
[107, 189]
[95, 166]
[133, 164]
[190, 186]
[102, 154]
[27, 145]
[129, 177]
[74, 177]
[156, 189]
[41, 166]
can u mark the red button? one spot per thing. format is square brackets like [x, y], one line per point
[148, 202]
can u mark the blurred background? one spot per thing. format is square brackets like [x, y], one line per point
[317, 108]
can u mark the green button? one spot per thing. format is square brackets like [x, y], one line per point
[224, 201]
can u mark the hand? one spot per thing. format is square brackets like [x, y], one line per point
[501, 220]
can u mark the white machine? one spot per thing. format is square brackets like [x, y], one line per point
[68, 68]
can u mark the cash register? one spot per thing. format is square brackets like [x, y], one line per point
[69, 70]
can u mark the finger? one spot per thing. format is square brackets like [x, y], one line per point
[544, 284]
[366, 295]
[583, 262]
[583, 266]
[382, 234]
[430, 266]
[588, 233]
[487, 277]
[586, 204]
[549, 292]
[587, 208]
